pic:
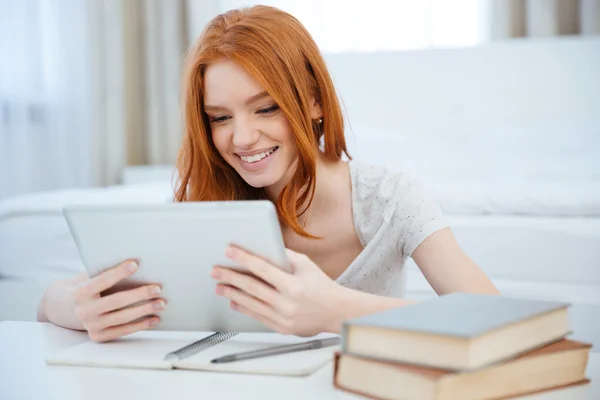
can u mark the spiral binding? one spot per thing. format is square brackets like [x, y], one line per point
[200, 345]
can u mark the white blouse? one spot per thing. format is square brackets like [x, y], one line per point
[392, 214]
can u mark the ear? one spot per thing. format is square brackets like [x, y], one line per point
[315, 109]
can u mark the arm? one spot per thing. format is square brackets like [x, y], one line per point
[351, 303]
[308, 302]
[448, 268]
[444, 264]
[57, 304]
[418, 229]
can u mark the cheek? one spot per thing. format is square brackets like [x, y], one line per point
[221, 140]
[290, 141]
[285, 133]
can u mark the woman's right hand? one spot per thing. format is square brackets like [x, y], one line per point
[105, 317]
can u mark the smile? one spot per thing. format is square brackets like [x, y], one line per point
[258, 157]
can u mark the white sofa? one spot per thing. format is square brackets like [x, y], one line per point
[506, 137]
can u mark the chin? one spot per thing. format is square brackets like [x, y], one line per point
[260, 181]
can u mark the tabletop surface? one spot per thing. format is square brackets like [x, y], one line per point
[25, 375]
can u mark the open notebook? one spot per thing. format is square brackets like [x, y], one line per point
[147, 349]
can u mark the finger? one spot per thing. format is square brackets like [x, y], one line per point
[266, 321]
[247, 283]
[110, 277]
[125, 298]
[130, 314]
[248, 302]
[259, 267]
[78, 279]
[122, 330]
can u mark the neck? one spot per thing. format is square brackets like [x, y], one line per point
[325, 171]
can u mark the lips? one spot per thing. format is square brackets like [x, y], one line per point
[258, 157]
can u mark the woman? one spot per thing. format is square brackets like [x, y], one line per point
[263, 122]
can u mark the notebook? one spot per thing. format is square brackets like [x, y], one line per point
[148, 349]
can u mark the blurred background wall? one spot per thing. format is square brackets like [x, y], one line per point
[90, 89]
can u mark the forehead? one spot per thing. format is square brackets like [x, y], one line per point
[226, 82]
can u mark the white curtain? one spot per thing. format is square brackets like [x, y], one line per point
[44, 93]
[384, 25]
[543, 18]
[138, 49]
[138, 46]
[88, 87]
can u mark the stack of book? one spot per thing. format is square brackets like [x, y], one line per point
[461, 346]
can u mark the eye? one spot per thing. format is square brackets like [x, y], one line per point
[268, 110]
[219, 119]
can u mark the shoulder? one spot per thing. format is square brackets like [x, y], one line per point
[394, 204]
[378, 188]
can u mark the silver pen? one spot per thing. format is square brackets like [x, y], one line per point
[271, 351]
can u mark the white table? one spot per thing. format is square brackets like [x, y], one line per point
[24, 375]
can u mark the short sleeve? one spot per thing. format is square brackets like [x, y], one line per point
[417, 215]
[392, 210]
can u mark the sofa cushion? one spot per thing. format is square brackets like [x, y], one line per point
[35, 240]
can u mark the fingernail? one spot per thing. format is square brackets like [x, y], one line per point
[233, 305]
[229, 252]
[216, 273]
[131, 266]
[159, 305]
[220, 290]
[153, 322]
[155, 290]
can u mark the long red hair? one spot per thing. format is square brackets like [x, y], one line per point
[275, 49]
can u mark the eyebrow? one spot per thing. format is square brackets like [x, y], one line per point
[248, 101]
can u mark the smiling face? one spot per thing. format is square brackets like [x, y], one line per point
[239, 133]
[248, 129]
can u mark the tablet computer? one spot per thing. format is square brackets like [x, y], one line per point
[177, 245]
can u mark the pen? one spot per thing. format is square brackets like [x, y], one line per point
[288, 348]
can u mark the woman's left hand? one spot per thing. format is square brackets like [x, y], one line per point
[302, 303]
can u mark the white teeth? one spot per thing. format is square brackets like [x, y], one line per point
[257, 157]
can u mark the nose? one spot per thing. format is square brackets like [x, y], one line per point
[245, 135]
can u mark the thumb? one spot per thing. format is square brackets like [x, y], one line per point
[298, 261]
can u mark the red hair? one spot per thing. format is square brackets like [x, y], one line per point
[276, 50]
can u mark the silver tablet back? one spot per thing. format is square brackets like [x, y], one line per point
[176, 246]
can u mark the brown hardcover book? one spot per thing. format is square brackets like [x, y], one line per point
[458, 331]
[559, 364]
